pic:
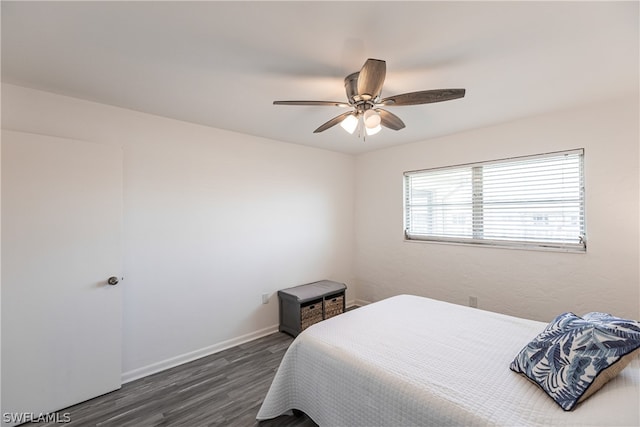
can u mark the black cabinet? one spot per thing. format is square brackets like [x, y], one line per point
[304, 305]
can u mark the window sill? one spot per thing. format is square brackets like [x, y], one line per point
[500, 245]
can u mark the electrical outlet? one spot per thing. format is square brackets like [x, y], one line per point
[265, 298]
[473, 302]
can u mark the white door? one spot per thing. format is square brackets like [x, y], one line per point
[61, 241]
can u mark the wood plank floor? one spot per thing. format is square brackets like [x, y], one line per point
[224, 389]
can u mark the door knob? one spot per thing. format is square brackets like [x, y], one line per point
[113, 280]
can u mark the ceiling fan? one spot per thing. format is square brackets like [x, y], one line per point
[363, 97]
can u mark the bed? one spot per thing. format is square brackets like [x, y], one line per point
[414, 361]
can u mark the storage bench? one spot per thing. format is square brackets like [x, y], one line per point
[302, 306]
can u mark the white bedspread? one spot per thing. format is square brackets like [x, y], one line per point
[413, 361]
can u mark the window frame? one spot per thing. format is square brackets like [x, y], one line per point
[477, 206]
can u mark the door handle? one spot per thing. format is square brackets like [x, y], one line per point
[113, 280]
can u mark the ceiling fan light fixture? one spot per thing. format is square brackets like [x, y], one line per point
[363, 89]
[350, 123]
[371, 120]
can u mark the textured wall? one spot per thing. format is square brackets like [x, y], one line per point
[532, 284]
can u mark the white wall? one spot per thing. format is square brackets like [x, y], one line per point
[532, 284]
[212, 220]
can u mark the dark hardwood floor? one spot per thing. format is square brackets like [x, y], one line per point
[224, 389]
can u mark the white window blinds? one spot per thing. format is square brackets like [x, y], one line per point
[534, 201]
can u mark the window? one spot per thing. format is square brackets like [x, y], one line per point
[527, 202]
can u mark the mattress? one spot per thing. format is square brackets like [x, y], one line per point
[414, 361]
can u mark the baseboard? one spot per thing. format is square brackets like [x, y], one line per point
[197, 354]
[154, 368]
[356, 302]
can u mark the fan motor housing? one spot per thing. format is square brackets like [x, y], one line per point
[351, 87]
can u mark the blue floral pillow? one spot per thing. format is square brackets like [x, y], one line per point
[574, 356]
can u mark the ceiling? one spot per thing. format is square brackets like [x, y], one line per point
[222, 64]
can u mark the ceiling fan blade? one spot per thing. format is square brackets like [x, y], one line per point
[324, 103]
[390, 120]
[333, 122]
[371, 78]
[423, 97]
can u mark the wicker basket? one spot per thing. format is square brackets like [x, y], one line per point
[333, 306]
[310, 314]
